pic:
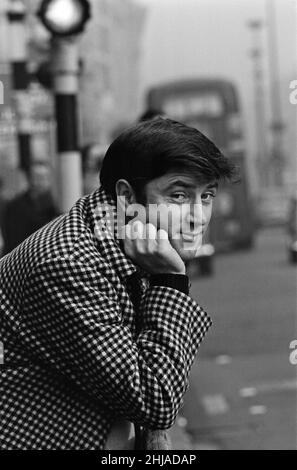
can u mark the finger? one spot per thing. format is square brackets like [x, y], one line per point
[127, 240]
[162, 234]
[128, 231]
[150, 238]
[150, 232]
[162, 239]
[137, 230]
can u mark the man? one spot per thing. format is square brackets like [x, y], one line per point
[30, 210]
[96, 318]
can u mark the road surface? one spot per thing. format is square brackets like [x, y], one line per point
[243, 387]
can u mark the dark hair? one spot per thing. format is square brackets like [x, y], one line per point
[151, 149]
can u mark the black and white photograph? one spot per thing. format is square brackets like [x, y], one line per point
[148, 228]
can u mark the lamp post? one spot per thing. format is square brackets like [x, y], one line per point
[65, 19]
[277, 125]
[260, 128]
[16, 15]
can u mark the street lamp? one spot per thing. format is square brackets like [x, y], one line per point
[65, 19]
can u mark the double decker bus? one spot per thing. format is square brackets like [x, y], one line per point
[212, 106]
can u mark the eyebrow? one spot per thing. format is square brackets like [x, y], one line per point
[191, 185]
[213, 185]
[181, 183]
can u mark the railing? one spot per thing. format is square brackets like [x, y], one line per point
[152, 440]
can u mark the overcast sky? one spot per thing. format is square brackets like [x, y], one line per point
[193, 38]
[190, 37]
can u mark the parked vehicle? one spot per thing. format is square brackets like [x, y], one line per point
[213, 107]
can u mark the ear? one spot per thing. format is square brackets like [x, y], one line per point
[125, 193]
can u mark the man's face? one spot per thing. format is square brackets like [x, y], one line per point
[177, 203]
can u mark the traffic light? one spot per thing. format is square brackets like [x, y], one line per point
[64, 17]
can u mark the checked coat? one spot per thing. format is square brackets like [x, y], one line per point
[78, 354]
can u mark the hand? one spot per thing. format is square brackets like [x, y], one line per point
[151, 249]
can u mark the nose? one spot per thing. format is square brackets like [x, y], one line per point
[196, 216]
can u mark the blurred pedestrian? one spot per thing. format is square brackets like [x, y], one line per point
[31, 209]
[92, 157]
[100, 330]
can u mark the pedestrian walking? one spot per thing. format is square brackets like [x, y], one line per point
[98, 326]
[92, 156]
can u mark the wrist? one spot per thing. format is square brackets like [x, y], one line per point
[178, 281]
[171, 271]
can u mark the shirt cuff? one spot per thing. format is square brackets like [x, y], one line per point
[175, 281]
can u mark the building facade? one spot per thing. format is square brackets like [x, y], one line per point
[111, 59]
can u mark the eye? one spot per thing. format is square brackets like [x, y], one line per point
[208, 197]
[179, 196]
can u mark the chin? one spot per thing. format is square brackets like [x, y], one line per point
[187, 251]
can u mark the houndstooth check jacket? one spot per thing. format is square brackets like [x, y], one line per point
[74, 358]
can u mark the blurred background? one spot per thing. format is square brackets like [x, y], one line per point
[227, 67]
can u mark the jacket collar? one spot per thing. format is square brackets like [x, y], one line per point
[104, 222]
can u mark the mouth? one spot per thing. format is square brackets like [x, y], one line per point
[191, 236]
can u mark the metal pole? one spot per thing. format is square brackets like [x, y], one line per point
[65, 66]
[20, 79]
[260, 128]
[277, 125]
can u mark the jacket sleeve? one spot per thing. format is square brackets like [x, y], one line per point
[72, 322]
